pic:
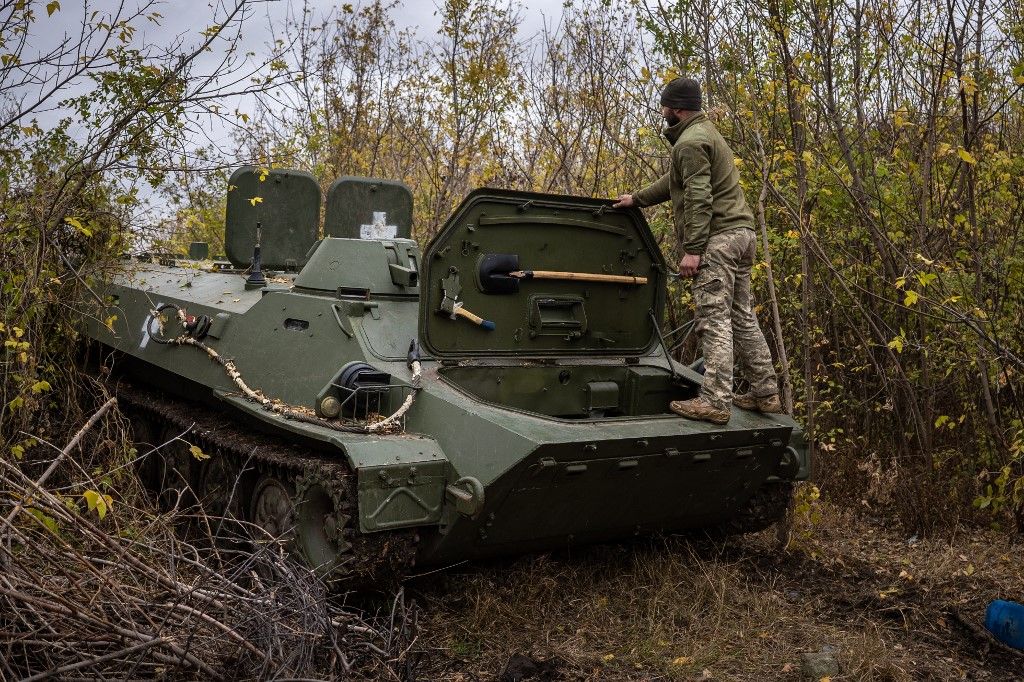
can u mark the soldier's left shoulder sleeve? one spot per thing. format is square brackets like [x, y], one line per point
[693, 157]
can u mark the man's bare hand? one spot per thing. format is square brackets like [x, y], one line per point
[689, 264]
[625, 201]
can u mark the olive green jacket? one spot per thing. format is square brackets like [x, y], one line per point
[703, 184]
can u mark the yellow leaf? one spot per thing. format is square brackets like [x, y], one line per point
[910, 298]
[52, 7]
[896, 344]
[256, 200]
[969, 570]
[198, 453]
[968, 85]
[109, 322]
[607, 658]
[77, 224]
[98, 502]
[966, 156]
[682, 660]
[40, 386]
[18, 452]
[900, 282]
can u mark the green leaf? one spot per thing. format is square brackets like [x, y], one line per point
[910, 298]
[896, 344]
[18, 452]
[40, 386]
[47, 521]
[52, 7]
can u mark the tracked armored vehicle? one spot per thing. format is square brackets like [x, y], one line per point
[504, 391]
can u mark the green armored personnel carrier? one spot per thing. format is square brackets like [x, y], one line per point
[504, 391]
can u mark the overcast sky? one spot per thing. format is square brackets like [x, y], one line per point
[183, 20]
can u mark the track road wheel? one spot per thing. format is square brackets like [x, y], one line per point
[323, 527]
[173, 466]
[145, 440]
[272, 510]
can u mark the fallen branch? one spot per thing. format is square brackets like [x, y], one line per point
[64, 453]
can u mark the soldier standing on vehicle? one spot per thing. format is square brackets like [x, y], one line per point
[715, 228]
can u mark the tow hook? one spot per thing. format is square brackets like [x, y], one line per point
[467, 494]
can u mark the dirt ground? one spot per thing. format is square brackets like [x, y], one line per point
[884, 605]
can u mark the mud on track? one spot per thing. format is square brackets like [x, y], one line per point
[887, 606]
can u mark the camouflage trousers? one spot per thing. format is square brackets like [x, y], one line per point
[726, 324]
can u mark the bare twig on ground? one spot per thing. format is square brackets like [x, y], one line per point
[127, 596]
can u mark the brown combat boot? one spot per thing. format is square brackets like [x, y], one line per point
[698, 408]
[769, 404]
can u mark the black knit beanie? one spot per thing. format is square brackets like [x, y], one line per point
[681, 93]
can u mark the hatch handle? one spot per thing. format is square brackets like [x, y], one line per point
[342, 321]
[557, 315]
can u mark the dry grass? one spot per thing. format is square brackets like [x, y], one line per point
[125, 594]
[677, 609]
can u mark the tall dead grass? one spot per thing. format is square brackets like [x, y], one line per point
[95, 583]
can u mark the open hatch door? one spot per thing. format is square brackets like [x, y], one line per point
[503, 257]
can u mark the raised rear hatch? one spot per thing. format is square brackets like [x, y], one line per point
[482, 259]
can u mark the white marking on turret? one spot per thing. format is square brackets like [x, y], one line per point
[378, 229]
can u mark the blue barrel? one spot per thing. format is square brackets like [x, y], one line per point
[1005, 620]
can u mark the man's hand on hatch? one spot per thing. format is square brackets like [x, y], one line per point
[689, 264]
[625, 201]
